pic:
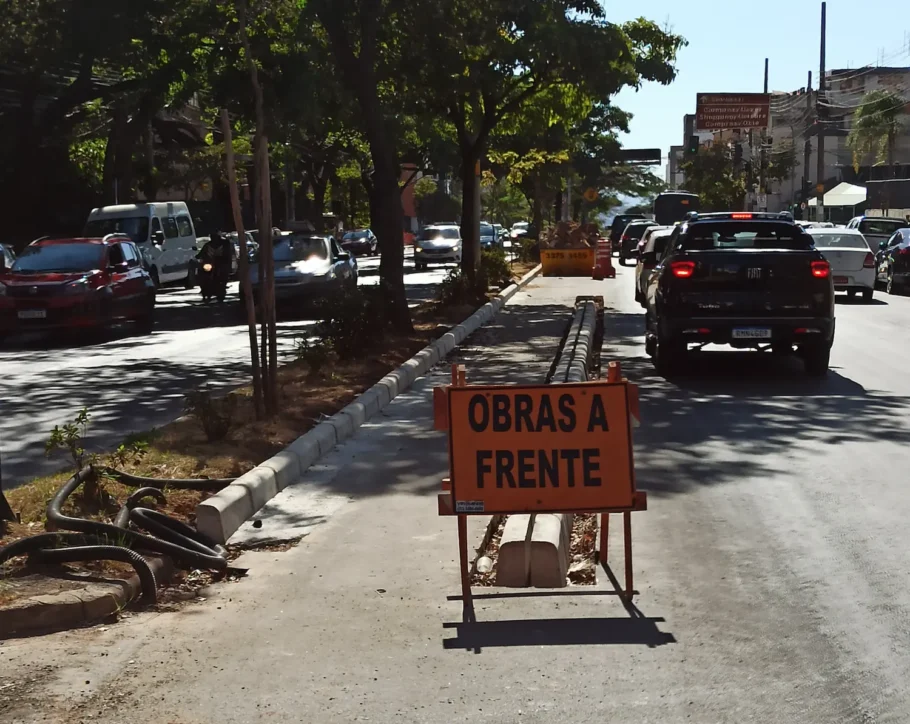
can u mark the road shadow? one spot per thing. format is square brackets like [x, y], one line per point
[618, 631]
[731, 415]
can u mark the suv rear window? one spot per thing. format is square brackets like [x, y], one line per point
[744, 235]
[881, 226]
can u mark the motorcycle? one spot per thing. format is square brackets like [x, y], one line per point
[211, 284]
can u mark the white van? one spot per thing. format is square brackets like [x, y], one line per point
[164, 232]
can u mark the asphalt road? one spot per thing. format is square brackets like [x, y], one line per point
[133, 383]
[771, 566]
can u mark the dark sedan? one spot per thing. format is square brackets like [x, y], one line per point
[309, 267]
[893, 262]
[361, 242]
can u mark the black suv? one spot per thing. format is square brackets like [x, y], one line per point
[748, 280]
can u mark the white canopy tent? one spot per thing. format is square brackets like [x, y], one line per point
[843, 194]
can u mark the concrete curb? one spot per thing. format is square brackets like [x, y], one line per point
[221, 515]
[80, 606]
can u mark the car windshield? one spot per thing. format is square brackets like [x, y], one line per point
[301, 249]
[843, 241]
[486, 230]
[356, 235]
[521, 225]
[432, 234]
[745, 235]
[136, 227]
[65, 258]
[881, 226]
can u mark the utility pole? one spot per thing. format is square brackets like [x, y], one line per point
[807, 151]
[821, 115]
[762, 153]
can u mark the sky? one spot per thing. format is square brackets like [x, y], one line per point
[728, 44]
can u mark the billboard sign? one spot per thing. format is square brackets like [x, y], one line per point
[721, 111]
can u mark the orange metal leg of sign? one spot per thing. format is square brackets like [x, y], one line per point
[467, 598]
[627, 520]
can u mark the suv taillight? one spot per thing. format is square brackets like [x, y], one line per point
[869, 261]
[821, 269]
[625, 237]
[682, 269]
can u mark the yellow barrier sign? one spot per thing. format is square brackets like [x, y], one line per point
[567, 262]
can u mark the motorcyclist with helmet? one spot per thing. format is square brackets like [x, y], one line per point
[215, 266]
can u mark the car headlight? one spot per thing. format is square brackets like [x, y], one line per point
[418, 249]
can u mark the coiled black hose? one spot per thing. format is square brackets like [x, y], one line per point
[123, 515]
[106, 553]
[190, 550]
[73, 547]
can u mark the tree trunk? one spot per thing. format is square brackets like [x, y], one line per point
[319, 183]
[470, 212]
[243, 262]
[269, 350]
[359, 73]
[111, 181]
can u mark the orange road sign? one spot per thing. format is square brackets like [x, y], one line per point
[541, 448]
[591, 195]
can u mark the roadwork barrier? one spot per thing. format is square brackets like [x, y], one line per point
[540, 454]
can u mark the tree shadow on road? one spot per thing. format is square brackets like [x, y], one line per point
[732, 415]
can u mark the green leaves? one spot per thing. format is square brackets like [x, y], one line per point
[876, 125]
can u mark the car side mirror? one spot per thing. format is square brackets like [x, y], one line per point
[157, 237]
[649, 258]
[344, 256]
[119, 267]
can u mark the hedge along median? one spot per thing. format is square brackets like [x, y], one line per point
[222, 514]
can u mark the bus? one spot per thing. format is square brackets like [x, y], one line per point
[672, 206]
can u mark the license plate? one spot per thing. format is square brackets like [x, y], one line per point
[33, 314]
[841, 280]
[752, 333]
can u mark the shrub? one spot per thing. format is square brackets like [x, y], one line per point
[456, 290]
[528, 250]
[71, 439]
[216, 415]
[353, 321]
[494, 269]
[314, 353]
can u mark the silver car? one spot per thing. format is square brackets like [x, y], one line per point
[437, 245]
[308, 267]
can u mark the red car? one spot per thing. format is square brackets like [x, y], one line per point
[61, 284]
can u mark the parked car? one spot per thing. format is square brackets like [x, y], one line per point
[631, 235]
[488, 238]
[7, 257]
[360, 242]
[618, 225]
[655, 243]
[163, 230]
[748, 280]
[892, 268]
[65, 284]
[852, 261]
[437, 245]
